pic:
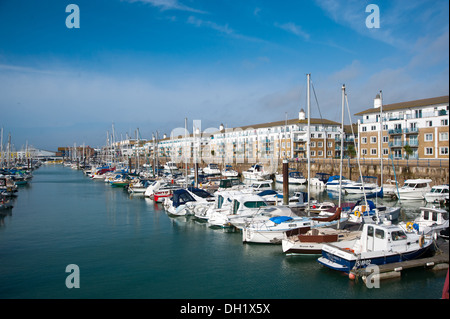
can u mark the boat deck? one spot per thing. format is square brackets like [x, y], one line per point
[437, 262]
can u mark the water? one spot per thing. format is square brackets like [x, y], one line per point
[128, 247]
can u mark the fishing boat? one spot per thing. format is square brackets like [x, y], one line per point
[256, 172]
[379, 244]
[415, 189]
[229, 172]
[294, 177]
[431, 220]
[437, 194]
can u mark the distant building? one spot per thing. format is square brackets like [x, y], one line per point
[420, 127]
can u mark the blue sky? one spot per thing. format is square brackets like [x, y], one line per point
[149, 64]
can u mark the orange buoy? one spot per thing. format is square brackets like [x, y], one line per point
[351, 276]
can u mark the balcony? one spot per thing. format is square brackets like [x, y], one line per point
[411, 130]
[396, 144]
[395, 131]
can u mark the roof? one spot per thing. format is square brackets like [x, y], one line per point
[408, 104]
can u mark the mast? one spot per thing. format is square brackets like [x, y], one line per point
[342, 144]
[185, 151]
[381, 142]
[308, 145]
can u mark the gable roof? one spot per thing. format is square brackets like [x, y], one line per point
[408, 104]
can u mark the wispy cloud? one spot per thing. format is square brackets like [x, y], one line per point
[169, 5]
[210, 24]
[293, 28]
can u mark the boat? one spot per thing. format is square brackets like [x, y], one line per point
[319, 180]
[170, 167]
[273, 197]
[164, 191]
[379, 244]
[120, 180]
[183, 201]
[390, 188]
[437, 194]
[294, 177]
[365, 211]
[5, 203]
[366, 184]
[322, 207]
[273, 230]
[431, 220]
[256, 172]
[138, 186]
[414, 189]
[312, 241]
[229, 172]
[258, 186]
[333, 183]
[211, 169]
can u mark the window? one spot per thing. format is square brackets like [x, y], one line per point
[364, 151]
[398, 235]
[313, 144]
[443, 151]
[329, 153]
[313, 153]
[429, 137]
[429, 123]
[370, 231]
[319, 144]
[428, 151]
[385, 127]
[364, 140]
[444, 122]
[379, 233]
[443, 136]
[373, 151]
[385, 151]
[319, 153]
[364, 129]
[373, 139]
[373, 128]
[330, 144]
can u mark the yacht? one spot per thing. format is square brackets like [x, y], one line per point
[437, 194]
[294, 177]
[256, 172]
[415, 189]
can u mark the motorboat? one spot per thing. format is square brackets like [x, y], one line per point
[183, 201]
[258, 186]
[211, 169]
[310, 241]
[415, 189]
[379, 244]
[390, 188]
[273, 197]
[294, 177]
[229, 172]
[367, 184]
[322, 207]
[272, 231]
[367, 212]
[334, 183]
[170, 167]
[138, 186]
[437, 194]
[431, 220]
[256, 172]
[319, 180]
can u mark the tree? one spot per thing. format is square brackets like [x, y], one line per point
[351, 150]
[408, 151]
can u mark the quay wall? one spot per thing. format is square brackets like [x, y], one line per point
[435, 169]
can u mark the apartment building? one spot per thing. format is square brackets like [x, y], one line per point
[414, 129]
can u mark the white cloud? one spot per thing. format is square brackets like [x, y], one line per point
[209, 24]
[169, 5]
[293, 28]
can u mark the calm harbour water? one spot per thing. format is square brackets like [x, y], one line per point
[128, 247]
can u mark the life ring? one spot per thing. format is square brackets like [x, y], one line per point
[357, 213]
[409, 226]
[421, 241]
[349, 249]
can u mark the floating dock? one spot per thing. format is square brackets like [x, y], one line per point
[437, 262]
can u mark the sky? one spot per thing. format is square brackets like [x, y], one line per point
[150, 64]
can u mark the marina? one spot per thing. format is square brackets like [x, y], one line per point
[127, 246]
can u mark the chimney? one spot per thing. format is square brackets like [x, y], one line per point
[221, 127]
[301, 115]
[377, 101]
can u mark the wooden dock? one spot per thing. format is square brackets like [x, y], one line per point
[437, 262]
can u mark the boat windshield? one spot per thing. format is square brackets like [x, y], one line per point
[398, 235]
[255, 204]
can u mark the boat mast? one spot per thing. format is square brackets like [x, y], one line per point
[185, 151]
[381, 142]
[308, 146]
[342, 145]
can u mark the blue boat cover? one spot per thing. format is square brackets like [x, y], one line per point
[267, 192]
[280, 219]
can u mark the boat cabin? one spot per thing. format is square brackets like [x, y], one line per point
[379, 237]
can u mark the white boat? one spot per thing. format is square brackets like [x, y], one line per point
[211, 169]
[137, 187]
[369, 213]
[258, 186]
[379, 244]
[170, 167]
[414, 189]
[312, 241]
[319, 180]
[437, 194]
[222, 203]
[430, 221]
[294, 177]
[322, 207]
[333, 183]
[256, 172]
[273, 230]
[273, 197]
[367, 184]
[183, 201]
[229, 172]
[390, 188]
